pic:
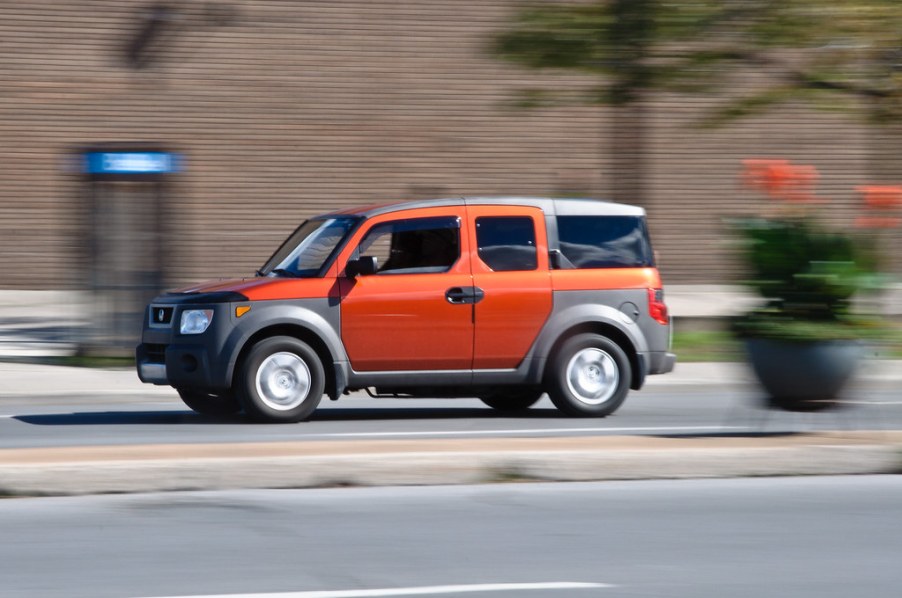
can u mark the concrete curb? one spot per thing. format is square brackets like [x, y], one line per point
[117, 469]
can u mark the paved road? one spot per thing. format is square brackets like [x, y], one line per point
[794, 537]
[69, 420]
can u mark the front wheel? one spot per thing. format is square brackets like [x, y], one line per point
[589, 376]
[281, 380]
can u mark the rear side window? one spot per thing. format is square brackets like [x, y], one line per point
[416, 246]
[605, 241]
[507, 243]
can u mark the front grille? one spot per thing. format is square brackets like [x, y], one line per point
[160, 315]
[155, 353]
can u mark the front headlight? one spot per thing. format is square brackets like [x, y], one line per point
[195, 321]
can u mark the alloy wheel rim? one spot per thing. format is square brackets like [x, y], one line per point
[592, 376]
[283, 381]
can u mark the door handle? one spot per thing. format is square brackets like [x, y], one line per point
[464, 295]
[459, 295]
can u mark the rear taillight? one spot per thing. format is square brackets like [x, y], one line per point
[657, 309]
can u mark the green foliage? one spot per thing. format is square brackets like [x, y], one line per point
[850, 48]
[618, 40]
[773, 323]
[812, 47]
[800, 267]
[808, 275]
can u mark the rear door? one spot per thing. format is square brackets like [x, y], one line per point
[510, 272]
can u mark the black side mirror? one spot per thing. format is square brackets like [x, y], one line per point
[364, 266]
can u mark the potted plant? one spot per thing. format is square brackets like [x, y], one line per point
[804, 341]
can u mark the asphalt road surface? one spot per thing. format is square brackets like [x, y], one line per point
[775, 537]
[32, 421]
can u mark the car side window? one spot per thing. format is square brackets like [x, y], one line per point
[507, 243]
[605, 241]
[415, 246]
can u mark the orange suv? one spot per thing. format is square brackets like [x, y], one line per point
[500, 299]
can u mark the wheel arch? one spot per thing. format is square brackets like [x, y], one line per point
[305, 325]
[600, 319]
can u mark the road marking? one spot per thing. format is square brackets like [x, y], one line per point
[526, 431]
[419, 591]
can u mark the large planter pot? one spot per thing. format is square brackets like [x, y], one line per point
[803, 376]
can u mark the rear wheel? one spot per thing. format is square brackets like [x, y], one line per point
[512, 400]
[281, 380]
[589, 376]
[208, 403]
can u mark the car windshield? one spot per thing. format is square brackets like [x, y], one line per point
[308, 249]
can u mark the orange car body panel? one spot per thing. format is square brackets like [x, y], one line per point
[605, 278]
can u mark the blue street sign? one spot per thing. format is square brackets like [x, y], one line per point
[131, 163]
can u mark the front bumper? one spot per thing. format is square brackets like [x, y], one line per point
[152, 373]
[166, 357]
[181, 366]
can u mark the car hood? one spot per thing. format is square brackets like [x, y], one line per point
[236, 285]
[260, 288]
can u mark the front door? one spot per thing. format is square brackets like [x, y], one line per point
[416, 312]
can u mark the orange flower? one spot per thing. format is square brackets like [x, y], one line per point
[877, 222]
[781, 179]
[882, 197]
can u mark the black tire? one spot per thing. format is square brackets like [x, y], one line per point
[589, 376]
[208, 403]
[512, 400]
[281, 380]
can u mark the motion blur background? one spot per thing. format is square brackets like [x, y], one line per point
[277, 110]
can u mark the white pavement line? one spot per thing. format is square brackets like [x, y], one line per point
[420, 591]
[81, 394]
[522, 431]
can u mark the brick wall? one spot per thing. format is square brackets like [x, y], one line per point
[287, 109]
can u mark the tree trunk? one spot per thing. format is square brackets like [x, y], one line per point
[885, 168]
[885, 161]
[628, 156]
